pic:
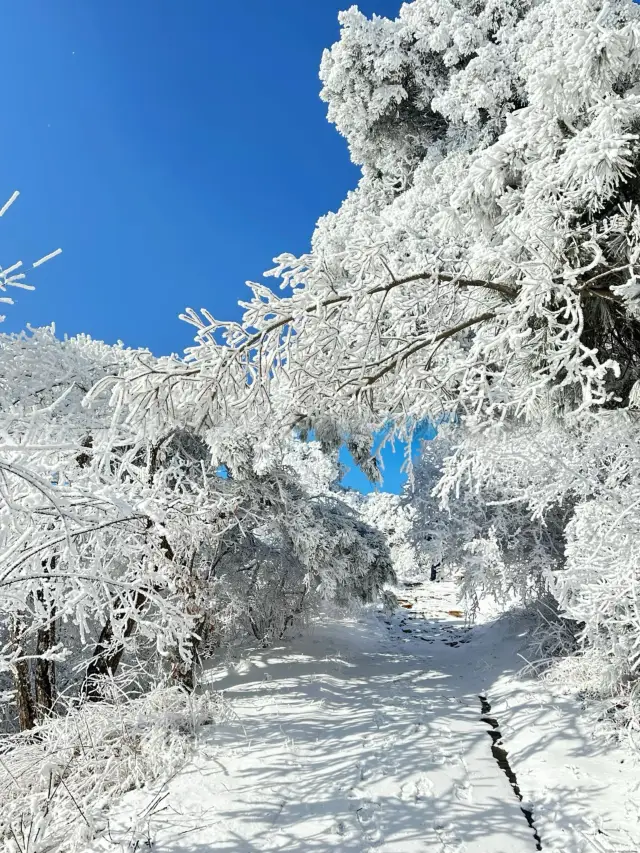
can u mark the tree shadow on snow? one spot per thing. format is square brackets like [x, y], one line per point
[344, 744]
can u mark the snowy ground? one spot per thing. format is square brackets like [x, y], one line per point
[367, 735]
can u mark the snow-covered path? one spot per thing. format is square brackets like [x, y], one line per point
[361, 736]
[355, 748]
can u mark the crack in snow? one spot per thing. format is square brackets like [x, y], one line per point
[501, 756]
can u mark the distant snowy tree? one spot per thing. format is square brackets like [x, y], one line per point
[394, 518]
[478, 524]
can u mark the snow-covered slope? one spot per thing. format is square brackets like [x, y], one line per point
[368, 734]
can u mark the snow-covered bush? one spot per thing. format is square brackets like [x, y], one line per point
[395, 519]
[57, 781]
[600, 585]
[555, 510]
[477, 528]
[301, 543]
[127, 553]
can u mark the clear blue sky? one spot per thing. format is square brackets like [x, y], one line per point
[171, 149]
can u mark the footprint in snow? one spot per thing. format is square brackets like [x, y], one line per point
[436, 756]
[449, 839]
[463, 791]
[379, 719]
[368, 820]
[366, 815]
[340, 828]
[365, 807]
[417, 790]
[358, 793]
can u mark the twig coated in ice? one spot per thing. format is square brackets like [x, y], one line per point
[8, 203]
[47, 258]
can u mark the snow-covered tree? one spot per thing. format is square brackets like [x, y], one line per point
[126, 545]
[479, 526]
[495, 278]
[81, 543]
[395, 518]
[483, 271]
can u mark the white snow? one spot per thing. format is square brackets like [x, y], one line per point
[360, 736]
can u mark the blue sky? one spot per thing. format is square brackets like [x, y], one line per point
[171, 149]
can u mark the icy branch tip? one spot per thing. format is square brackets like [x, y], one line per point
[8, 203]
[47, 258]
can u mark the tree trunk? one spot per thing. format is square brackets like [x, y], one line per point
[26, 714]
[183, 673]
[45, 641]
[107, 656]
[24, 696]
[44, 672]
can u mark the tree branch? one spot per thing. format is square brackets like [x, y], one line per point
[419, 345]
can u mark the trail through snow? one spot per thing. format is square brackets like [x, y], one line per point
[366, 735]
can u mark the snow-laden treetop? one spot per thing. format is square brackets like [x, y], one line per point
[485, 265]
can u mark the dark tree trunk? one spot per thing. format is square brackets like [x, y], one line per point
[22, 678]
[26, 713]
[44, 676]
[183, 673]
[44, 671]
[107, 654]
[84, 458]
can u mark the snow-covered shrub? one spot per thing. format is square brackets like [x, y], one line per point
[310, 546]
[600, 586]
[566, 498]
[552, 638]
[597, 588]
[128, 551]
[476, 525]
[58, 781]
[395, 518]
